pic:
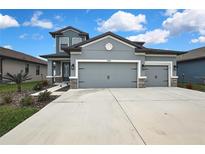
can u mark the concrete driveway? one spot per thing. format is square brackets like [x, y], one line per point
[116, 116]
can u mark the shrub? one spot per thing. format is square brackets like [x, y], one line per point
[26, 101]
[44, 96]
[38, 86]
[7, 99]
[189, 86]
[44, 83]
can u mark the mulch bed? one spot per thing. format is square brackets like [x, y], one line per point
[17, 96]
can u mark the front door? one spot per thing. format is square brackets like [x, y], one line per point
[66, 71]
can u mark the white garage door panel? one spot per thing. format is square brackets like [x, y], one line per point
[107, 75]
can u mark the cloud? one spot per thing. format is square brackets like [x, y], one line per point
[151, 37]
[170, 12]
[7, 21]
[186, 21]
[36, 22]
[58, 17]
[37, 36]
[200, 39]
[8, 46]
[23, 36]
[122, 21]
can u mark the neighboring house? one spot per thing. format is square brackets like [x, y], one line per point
[108, 60]
[191, 66]
[13, 62]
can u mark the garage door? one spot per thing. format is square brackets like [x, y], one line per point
[107, 75]
[157, 76]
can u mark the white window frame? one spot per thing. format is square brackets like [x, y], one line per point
[60, 42]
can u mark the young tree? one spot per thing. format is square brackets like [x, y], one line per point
[18, 78]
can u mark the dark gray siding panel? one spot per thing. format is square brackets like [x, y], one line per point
[108, 75]
[194, 71]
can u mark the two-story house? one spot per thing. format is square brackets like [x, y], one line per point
[59, 62]
[108, 61]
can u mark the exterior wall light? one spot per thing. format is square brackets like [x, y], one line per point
[72, 66]
[175, 67]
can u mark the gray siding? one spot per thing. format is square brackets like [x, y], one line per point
[97, 51]
[68, 33]
[15, 66]
[194, 71]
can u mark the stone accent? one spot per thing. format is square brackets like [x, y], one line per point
[73, 83]
[173, 82]
[50, 80]
[58, 79]
[142, 82]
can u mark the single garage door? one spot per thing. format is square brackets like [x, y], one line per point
[107, 75]
[157, 76]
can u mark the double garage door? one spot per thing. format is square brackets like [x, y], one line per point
[118, 75]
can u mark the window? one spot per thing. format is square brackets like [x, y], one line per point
[63, 42]
[76, 40]
[27, 68]
[38, 70]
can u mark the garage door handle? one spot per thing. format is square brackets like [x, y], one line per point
[134, 81]
[81, 81]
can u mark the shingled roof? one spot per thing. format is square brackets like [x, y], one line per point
[59, 32]
[194, 54]
[139, 48]
[8, 53]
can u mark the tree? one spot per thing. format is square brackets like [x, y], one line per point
[18, 78]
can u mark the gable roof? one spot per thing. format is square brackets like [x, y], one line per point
[8, 53]
[78, 45]
[138, 45]
[194, 54]
[59, 32]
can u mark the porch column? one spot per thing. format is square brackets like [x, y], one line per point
[50, 71]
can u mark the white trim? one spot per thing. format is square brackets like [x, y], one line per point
[59, 59]
[111, 61]
[53, 76]
[108, 36]
[75, 53]
[70, 30]
[164, 63]
[140, 54]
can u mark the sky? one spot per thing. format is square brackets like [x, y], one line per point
[28, 30]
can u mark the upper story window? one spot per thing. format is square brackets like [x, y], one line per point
[38, 70]
[76, 40]
[27, 68]
[63, 42]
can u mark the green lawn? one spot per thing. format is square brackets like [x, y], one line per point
[11, 116]
[12, 87]
[199, 87]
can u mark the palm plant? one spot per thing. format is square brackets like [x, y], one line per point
[18, 78]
